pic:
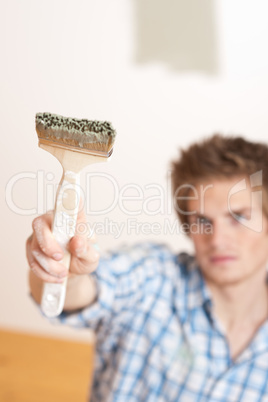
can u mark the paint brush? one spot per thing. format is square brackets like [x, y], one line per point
[76, 143]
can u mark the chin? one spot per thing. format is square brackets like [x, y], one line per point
[224, 280]
[222, 274]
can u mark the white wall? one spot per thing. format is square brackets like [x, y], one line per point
[79, 58]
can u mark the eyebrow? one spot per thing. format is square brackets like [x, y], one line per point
[240, 211]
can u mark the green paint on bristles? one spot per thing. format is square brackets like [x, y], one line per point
[72, 132]
[57, 122]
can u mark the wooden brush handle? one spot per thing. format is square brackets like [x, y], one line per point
[64, 224]
[66, 210]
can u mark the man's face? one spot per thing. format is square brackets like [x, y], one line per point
[230, 233]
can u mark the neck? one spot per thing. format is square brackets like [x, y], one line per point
[243, 303]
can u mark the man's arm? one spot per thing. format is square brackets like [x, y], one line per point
[44, 255]
[80, 292]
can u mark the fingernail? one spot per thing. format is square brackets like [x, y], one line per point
[57, 256]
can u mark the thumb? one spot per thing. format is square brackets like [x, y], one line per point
[85, 255]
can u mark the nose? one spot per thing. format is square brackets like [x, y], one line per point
[220, 236]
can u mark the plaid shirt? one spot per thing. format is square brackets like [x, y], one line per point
[157, 337]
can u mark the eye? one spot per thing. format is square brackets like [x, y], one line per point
[201, 220]
[240, 217]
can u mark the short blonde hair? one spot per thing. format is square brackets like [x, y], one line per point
[217, 157]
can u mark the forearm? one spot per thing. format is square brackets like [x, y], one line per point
[36, 287]
[81, 291]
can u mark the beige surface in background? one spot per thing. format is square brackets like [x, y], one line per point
[79, 58]
[182, 34]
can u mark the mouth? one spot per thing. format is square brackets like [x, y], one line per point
[217, 259]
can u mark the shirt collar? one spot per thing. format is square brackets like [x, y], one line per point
[195, 294]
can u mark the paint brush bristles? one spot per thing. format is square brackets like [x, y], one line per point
[81, 135]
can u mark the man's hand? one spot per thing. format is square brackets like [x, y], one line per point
[44, 256]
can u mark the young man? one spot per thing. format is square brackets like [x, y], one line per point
[175, 327]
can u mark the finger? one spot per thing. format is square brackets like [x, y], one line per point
[44, 267]
[41, 273]
[85, 255]
[45, 277]
[49, 265]
[45, 239]
[83, 228]
[79, 246]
